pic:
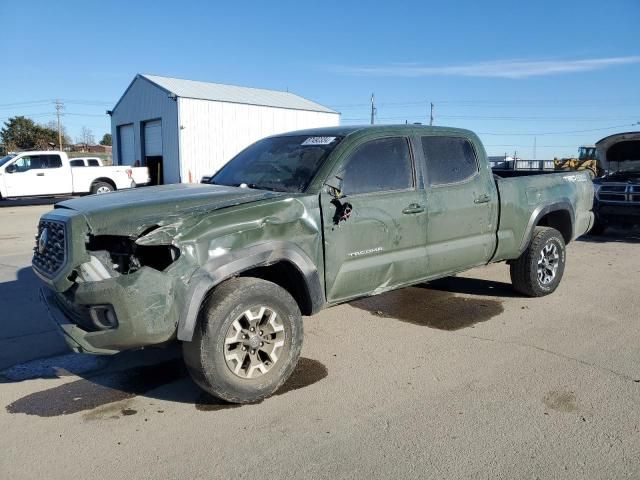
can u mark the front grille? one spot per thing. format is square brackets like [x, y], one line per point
[49, 254]
[614, 188]
[620, 193]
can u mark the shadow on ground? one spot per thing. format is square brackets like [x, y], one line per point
[433, 308]
[26, 331]
[472, 286]
[165, 379]
[630, 235]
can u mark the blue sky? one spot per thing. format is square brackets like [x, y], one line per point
[562, 73]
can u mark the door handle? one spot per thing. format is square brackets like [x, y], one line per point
[39, 174]
[413, 208]
[484, 198]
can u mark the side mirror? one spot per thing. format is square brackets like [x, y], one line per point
[10, 168]
[334, 186]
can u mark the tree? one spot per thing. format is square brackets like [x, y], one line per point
[86, 137]
[106, 139]
[66, 139]
[22, 133]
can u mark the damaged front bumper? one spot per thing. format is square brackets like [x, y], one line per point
[142, 302]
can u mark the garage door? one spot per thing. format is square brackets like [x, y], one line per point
[153, 138]
[127, 144]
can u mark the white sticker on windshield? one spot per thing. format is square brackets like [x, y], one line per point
[318, 140]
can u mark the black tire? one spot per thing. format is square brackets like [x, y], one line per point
[525, 275]
[206, 354]
[101, 187]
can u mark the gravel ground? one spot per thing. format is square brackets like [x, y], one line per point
[460, 378]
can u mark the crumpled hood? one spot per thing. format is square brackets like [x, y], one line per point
[131, 212]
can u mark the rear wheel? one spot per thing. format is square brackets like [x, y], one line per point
[247, 341]
[101, 187]
[538, 271]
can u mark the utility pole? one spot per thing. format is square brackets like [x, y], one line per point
[431, 115]
[534, 148]
[59, 107]
[373, 108]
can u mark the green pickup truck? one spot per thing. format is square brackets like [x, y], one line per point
[293, 224]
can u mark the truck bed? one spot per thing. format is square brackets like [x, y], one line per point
[525, 198]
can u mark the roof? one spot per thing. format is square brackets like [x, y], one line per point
[349, 129]
[617, 137]
[220, 92]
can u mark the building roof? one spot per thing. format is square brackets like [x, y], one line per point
[219, 92]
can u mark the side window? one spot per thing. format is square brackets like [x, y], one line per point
[76, 163]
[32, 162]
[449, 159]
[51, 161]
[379, 165]
[93, 162]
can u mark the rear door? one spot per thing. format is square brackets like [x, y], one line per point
[462, 204]
[56, 176]
[382, 242]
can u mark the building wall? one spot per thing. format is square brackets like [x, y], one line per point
[145, 101]
[211, 133]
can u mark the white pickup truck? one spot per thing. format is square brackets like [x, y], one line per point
[47, 173]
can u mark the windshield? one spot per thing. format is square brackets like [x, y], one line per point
[4, 160]
[282, 164]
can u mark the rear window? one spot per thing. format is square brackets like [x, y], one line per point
[449, 159]
[76, 163]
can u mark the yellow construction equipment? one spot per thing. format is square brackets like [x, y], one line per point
[587, 160]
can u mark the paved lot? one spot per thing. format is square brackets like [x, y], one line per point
[458, 379]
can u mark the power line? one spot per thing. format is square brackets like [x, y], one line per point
[9, 106]
[484, 103]
[562, 133]
[547, 118]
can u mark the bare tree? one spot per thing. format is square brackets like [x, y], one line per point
[86, 137]
[52, 125]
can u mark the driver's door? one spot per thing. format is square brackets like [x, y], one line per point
[382, 242]
[22, 177]
[32, 175]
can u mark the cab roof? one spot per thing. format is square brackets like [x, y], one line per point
[344, 131]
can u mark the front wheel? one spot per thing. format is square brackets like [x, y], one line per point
[247, 341]
[538, 271]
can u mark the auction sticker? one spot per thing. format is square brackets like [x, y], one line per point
[318, 140]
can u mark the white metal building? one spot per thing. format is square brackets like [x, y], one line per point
[183, 129]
